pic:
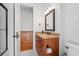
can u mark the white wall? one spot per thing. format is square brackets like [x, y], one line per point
[70, 22]
[39, 16]
[26, 18]
[10, 50]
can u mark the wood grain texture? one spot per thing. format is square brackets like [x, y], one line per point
[41, 45]
[53, 43]
[26, 40]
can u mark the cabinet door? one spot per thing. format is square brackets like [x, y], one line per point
[38, 42]
[39, 45]
[54, 44]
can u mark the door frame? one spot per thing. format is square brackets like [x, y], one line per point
[17, 41]
[15, 27]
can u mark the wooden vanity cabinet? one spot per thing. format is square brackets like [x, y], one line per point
[41, 45]
[53, 43]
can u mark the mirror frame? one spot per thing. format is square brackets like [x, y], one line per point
[6, 10]
[53, 28]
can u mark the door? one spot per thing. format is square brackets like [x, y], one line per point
[23, 34]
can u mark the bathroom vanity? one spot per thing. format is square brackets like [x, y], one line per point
[47, 40]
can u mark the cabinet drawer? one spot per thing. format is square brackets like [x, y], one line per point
[25, 47]
[27, 41]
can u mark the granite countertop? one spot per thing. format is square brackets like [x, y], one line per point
[47, 36]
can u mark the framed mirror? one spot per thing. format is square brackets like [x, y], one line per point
[50, 21]
[3, 29]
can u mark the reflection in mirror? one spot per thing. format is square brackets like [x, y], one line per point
[3, 29]
[50, 21]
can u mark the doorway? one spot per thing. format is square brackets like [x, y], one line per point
[24, 30]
